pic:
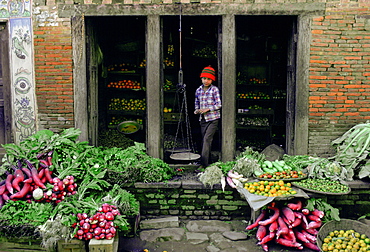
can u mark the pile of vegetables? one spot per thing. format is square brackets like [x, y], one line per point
[99, 226]
[291, 224]
[352, 150]
[234, 173]
[346, 240]
[270, 188]
[49, 178]
[323, 185]
[30, 183]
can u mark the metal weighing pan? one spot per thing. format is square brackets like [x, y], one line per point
[185, 156]
[128, 127]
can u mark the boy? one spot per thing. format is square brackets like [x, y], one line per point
[207, 105]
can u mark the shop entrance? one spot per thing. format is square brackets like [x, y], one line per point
[264, 90]
[263, 48]
[200, 48]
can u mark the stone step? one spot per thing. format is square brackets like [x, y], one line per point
[167, 222]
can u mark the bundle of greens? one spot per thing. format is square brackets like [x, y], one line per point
[353, 150]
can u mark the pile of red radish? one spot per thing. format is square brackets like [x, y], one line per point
[31, 183]
[60, 190]
[290, 225]
[99, 226]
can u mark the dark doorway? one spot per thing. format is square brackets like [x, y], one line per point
[261, 82]
[264, 58]
[117, 58]
[199, 48]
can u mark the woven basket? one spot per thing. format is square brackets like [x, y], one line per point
[343, 224]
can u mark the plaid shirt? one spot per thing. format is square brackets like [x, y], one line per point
[209, 99]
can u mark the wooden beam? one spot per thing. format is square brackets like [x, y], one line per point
[228, 87]
[302, 87]
[154, 120]
[79, 77]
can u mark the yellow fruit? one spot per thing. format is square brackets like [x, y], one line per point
[327, 240]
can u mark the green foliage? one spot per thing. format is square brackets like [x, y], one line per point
[21, 212]
[353, 149]
[124, 200]
[331, 213]
[54, 230]
[211, 176]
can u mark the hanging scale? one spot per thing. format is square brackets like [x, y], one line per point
[187, 154]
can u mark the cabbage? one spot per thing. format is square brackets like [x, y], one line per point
[38, 194]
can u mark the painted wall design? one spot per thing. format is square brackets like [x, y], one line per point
[15, 8]
[22, 75]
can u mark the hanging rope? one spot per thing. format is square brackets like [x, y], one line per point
[181, 88]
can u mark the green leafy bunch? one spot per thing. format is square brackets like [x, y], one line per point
[353, 150]
[331, 213]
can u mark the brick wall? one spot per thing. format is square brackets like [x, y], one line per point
[191, 200]
[339, 71]
[53, 74]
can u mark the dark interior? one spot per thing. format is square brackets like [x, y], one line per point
[261, 69]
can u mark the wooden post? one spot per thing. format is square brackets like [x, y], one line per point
[228, 87]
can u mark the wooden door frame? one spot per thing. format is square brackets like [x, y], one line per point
[303, 11]
[4, 51]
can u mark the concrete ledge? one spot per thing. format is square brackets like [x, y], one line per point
[194, 184]
[359, 184]
[176, 184]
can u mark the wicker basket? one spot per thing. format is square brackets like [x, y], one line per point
[343, 224]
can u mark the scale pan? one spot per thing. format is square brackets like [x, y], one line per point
[185, 156]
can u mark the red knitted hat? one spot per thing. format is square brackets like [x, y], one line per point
[208, 72]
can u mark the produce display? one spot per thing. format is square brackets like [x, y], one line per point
[279, 94]
[270, 188]
[30, 183]
[127, 104]
[323, 185]
[99, 226]
[168, 85]
[124, 67]
[255, 80]
[253, 95]
[74, 189]
[50, 177]
[168, 62]
[284, 175]
[130, 84]
[115, 120]
[205, 52]
[290, 225]
[352, 151]
[278, 170]
[346, 240]
[253, 121]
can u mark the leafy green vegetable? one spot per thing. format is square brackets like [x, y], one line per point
[298, 162]
[353, 149]
[323, 168]
[125, 201]
[21, 212]
[54, 230]
[331, 213]
[211, 176]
